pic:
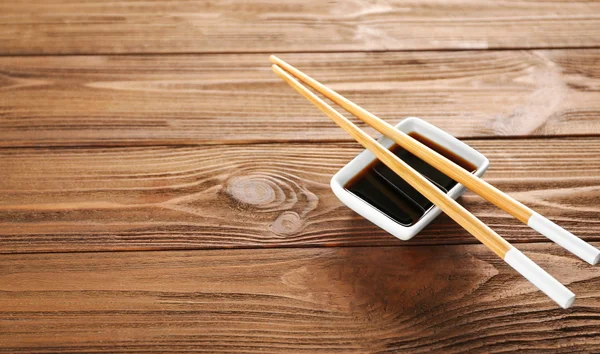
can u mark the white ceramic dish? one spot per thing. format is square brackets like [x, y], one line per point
[363, 159]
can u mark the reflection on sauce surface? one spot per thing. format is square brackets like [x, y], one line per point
[390, 194]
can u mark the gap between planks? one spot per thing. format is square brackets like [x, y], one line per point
[278, 247]
[200, 144]
[267, 53]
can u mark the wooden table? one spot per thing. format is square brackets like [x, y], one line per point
[162, 190]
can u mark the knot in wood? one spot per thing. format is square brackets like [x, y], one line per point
[253, 190]
[288, 223]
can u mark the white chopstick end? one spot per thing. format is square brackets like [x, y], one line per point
[569, 302]
[564, 238]
[540, 278]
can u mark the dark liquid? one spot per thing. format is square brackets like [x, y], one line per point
[386, 191]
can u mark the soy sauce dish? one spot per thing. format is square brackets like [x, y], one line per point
[375, 192]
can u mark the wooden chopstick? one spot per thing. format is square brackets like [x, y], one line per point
[545, 282]
[490, 193]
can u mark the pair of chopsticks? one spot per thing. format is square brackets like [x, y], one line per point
[517, 260]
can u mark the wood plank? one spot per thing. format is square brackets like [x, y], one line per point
[262, 195]
[296, 300]
[183, 26]
[145, 100]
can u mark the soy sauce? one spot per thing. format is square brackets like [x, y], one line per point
[390, 194]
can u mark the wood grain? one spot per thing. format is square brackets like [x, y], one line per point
[260, 195]
[149, 100]
[183, 26]
[155, 132]
[391, 299]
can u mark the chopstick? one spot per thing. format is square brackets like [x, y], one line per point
[490, 193]
[517, 260]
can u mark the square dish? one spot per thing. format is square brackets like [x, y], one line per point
[365, 158]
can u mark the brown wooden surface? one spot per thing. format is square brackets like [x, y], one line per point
[261, 195]
[194, 99]
[204, 180]
[445, 298]
[58, 26]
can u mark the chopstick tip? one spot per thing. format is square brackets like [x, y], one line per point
[568, 303]
[277, 70]
[273, 59]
